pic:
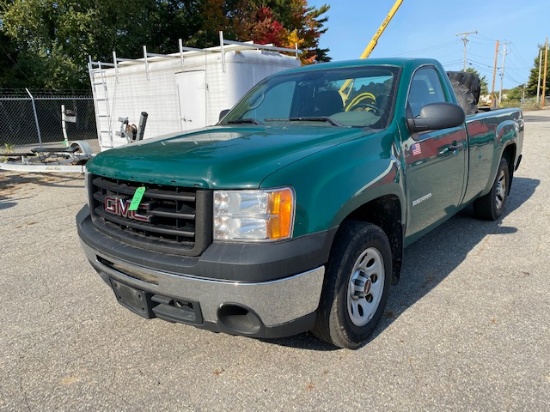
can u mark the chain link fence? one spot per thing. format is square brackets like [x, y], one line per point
[35, 119]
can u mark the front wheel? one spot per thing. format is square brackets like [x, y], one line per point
[356, 285]
[491, 206]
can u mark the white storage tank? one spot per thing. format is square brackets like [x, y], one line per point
[181, 91]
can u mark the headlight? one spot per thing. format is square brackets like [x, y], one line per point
[253, 214]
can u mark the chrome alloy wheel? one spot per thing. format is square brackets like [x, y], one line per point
[365, 286]
[500, 191]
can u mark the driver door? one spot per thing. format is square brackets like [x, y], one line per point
[435, 160]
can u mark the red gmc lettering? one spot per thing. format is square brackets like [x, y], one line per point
[121, 207]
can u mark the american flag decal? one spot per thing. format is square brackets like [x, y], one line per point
[416, 150]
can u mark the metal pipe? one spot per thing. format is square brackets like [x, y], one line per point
[222, 52]
[146, 62]
[256, 46]
[64, 126]
[180, 47]
[35, 117]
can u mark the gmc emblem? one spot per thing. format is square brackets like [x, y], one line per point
[120, 207]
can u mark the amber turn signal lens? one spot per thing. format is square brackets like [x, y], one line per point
[281, 210]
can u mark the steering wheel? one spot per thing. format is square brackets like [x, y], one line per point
[364, 107]
[364, 102]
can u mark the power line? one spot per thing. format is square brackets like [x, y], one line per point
[482, 43]
[487, 38]
[514, 80]
[439, 46]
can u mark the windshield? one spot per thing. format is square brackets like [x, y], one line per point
[344, 97]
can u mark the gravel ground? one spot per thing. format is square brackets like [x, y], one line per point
[467, 328]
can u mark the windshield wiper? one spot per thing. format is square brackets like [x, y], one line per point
[316, 119]
[246, 120]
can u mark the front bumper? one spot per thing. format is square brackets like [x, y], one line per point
[280, 304]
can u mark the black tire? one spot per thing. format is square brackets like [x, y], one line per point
[491, 206]
[356, 287]
[467, 87]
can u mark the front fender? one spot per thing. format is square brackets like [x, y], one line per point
[332, 183]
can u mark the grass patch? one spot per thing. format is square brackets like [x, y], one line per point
[8, 148]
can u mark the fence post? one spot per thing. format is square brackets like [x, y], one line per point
[35, 118]
[64, 126]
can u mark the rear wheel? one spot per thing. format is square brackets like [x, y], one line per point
[356, 286]
[492, 205]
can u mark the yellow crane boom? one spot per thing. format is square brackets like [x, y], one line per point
[374, 40]
[346, 87]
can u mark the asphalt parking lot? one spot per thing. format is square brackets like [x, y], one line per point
[467, 328]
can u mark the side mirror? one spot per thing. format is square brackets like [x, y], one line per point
[437, 116]
[222, 114]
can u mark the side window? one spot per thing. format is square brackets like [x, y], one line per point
[425, 89]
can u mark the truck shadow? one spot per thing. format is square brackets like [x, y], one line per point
[12, 183]
[12, 179]
[431, 259]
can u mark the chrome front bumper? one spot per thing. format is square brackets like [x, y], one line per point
[275, 302]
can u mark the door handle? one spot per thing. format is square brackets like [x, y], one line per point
[454, 146]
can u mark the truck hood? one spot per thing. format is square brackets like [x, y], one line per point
[217, 157]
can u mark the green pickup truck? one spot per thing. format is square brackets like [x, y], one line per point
[292, 213]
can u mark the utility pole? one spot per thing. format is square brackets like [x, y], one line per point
[545, 71]
[502, 72]
[493, 102]
[540, 71]
[464, 39]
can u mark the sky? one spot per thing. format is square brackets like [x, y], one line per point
[432, 28]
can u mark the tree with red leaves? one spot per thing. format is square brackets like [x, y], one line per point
[283, 23]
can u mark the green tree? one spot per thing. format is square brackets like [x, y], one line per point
[516, 93]
[47, 37]
[9, 66]
[46, 43]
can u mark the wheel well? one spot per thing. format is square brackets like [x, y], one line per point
[385, 212]
[510, 155]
